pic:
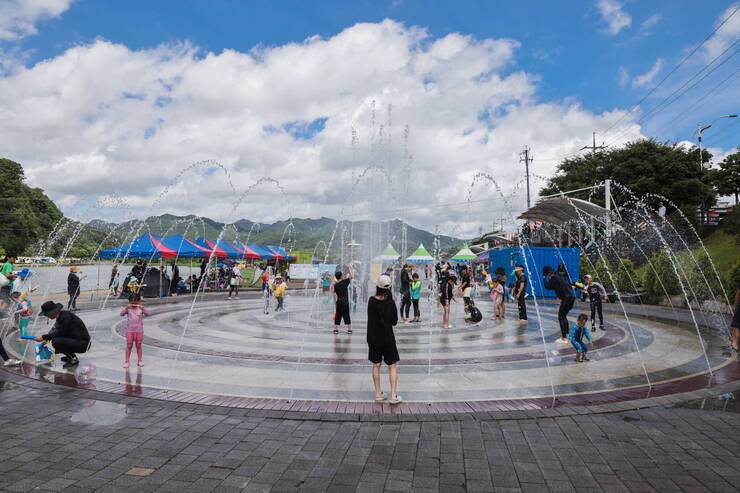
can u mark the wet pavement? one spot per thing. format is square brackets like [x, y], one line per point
[228, 351]
[60, 439]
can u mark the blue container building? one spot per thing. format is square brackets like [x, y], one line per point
[534, 259]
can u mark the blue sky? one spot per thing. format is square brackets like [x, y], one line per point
[276, 88]
[566, 43]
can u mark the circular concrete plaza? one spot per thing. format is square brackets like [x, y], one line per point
[229, 353]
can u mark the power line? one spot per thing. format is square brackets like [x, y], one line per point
[683, 60]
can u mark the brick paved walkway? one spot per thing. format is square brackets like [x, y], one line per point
[55, 438]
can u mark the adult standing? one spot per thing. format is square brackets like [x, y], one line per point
[113, 283]
[405, 292]
[235, 278]
[661, 213]
[73, 287]
[563, 291]
[520, 292]
[341, 292]
[7, 290]
[69, 335]
[381, 342]
[175, 279]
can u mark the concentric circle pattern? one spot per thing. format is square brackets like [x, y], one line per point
[232, 349]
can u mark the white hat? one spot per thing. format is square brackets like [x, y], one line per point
[384, 282]
[587, 276]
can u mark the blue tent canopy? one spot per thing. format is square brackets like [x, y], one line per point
[264, 253]
[282, 252]
[186, 248]
[145, 246]
[221, 246]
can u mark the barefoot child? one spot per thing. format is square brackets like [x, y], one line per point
[497, 294]
[576, 334]
[23, 310]
[135, 314]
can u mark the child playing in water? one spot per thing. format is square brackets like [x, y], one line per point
[497, 295]
[23, 310]
[415, 295]
[135, 314]
[577, 332]
[279, 293]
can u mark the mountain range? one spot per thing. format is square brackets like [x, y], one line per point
[303, 235]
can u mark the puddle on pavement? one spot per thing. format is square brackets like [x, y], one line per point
[99, 413]
[729, 402]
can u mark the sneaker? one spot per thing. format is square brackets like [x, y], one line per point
[126, 365]
[140, 363]
[12, 362]
[349, 331]
[602, 327]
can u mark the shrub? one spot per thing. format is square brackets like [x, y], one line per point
[664, 269]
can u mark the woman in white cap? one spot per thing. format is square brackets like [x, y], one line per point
[381, 317]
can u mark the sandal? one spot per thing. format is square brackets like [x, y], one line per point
[336, 331]
[349, 331]
[398, 399]
[383, 398]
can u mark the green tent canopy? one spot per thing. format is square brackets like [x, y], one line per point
[464, 255]
[420, 256]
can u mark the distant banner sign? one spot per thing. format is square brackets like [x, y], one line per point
[310, 271]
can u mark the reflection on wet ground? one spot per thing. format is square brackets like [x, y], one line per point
[99, 413]
[728, 402]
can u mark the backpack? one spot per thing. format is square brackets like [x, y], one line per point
[475, 314]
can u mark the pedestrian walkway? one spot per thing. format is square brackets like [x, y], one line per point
[59, 439]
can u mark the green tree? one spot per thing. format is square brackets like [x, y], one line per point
[644, 166]
[726, 179]
[663, 272]
[28, 214]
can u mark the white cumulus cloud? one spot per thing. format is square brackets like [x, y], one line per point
[613, 16]
[105, 119]
[18, 18]
[648, 76]
[727, 34]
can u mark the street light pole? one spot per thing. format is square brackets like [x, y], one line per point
[702, 128]
[699, 130]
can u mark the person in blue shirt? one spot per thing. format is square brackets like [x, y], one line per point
[576, 334]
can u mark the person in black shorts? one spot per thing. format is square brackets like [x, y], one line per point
[341, 291]
[381, 342]
[405, 293]
[520, 292]
[563, 291]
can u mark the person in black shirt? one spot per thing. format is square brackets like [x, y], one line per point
[563, 291]
[595, 293]
[69, 334]
[341, 291]
[520, 292]
[405, 293]
[73, 288]
[465, 286]
[381, 342]
[446, 295]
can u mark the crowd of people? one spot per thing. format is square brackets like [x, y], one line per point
[446, 283]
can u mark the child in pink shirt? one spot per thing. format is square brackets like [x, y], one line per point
[135, 314]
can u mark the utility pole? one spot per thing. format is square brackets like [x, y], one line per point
[593, 146]
[524, 156]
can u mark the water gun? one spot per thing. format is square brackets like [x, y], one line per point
[579, 285]
[29, 338]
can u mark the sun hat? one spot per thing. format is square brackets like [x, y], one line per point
[50, 308]
[384, 282]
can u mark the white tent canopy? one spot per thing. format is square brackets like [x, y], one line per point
[420, 256]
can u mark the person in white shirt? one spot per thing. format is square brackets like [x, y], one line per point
[661, 213]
